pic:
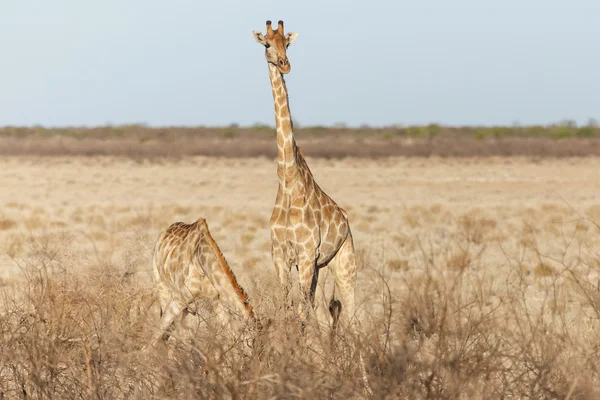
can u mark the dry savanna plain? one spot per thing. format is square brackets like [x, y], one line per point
[479, 278]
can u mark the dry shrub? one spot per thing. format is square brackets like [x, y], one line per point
[459, 260]
[251, 263]
[542, 270]
[247, 238]
[180, 145]
[76, 328]
[411, 219]
[401, 239]
[431, 332]
[33, 222]
[58, 224]
[397, 265]
[98, 235]
[79, 336]
[6, 224]
[96, 221]
[455, 333]
[475, 226]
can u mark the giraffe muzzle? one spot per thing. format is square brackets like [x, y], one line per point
[283, 64]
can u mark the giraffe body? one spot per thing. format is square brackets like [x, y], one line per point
[310, 231]
[188, 265]
[306, 212]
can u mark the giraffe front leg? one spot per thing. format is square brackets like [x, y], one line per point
[283, 273]
[308, 276]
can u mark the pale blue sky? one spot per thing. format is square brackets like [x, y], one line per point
[194, 62]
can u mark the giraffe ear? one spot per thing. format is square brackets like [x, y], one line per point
[290, 37]
[259, 37]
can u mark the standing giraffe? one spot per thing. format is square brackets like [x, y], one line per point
[189, 265]
[308, 229]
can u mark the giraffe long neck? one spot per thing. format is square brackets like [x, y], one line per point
[224, 276]
[287, 151]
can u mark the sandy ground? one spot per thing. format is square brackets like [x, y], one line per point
[57, 194]
[109, 207]
[61, 183]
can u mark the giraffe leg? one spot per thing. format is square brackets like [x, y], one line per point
[345, 281]
[166, 312]
[308, 276]
[169, 313]
[283, 272]
[345, 270]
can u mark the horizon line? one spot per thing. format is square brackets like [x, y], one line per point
[338, 125]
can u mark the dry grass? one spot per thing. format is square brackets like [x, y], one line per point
[6, 224]
[474, 282]
[74, 331]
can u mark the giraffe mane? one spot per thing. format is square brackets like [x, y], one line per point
[228, 272]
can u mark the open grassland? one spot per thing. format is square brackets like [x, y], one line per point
[479, 278]
[558, 140]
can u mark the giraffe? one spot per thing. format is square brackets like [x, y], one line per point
[308, 228]
[188, 265]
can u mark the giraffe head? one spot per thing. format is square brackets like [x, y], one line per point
[276, 44]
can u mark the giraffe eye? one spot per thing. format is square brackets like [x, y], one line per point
[267, 45]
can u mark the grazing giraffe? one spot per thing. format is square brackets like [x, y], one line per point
[188, 265]
[308, 229]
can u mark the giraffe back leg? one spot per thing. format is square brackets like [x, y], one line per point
[171, 311]
[165, 300]
[344, 271]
